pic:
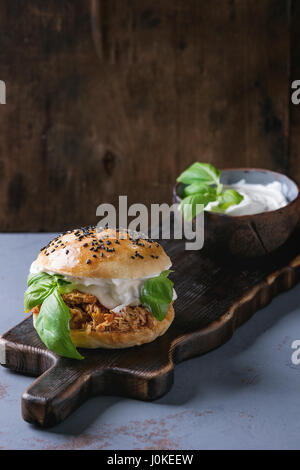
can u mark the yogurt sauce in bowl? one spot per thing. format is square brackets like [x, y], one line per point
[257, 198]
[261, 223]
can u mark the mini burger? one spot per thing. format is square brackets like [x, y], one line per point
[101, 288]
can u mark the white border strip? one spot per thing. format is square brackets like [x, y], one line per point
[2, 352]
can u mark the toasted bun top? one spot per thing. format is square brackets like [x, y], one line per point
[108, 253]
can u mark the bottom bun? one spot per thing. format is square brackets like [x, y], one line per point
[93, 339]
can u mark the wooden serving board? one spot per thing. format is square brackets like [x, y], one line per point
[214, 298]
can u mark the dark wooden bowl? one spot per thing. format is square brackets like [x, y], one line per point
[251, 236]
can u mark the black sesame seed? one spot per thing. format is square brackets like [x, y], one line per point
[67, 251]
[88, 261]
[94, 256]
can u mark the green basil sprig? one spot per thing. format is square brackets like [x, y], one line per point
[53, 326]
[53, 321]
[200, 173]
[157, 294]
[203, 186]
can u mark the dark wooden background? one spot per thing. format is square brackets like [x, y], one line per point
[109, 97]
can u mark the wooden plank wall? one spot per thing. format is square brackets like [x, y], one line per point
[109, 97]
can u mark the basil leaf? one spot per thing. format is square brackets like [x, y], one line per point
[40, 286]
[191, 206]
[65, 286]
[228, 198]
[53, 320]
[157, 295]
[32, 278]
[209, 192]
[53, 326]
[166, 272]
[200, 173]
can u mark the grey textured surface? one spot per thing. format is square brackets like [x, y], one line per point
[244, 395]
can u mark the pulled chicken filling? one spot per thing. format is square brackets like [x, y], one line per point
[88, 314]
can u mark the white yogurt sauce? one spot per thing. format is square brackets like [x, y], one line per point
[112, 293]
[257, 198]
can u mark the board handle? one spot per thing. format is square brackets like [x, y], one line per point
[55, 394]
